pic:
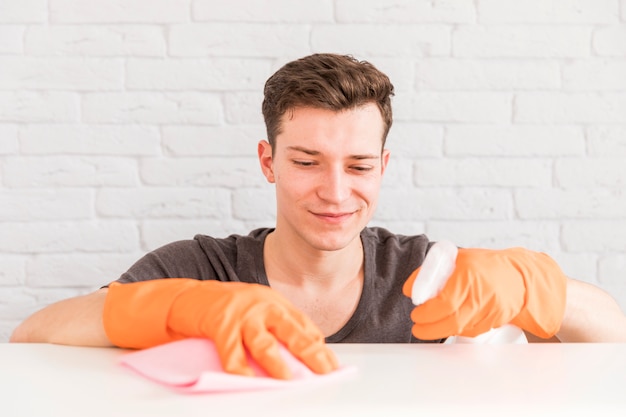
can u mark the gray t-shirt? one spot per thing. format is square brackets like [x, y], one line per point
[382, 314]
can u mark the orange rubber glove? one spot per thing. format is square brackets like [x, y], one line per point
[490, 288]
[236, 316]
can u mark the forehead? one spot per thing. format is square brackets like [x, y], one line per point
[359, 127]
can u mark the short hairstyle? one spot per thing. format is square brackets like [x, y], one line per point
[325, 81]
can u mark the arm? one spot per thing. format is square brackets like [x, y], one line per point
[75, 321]
[591, 315]
[238, 317]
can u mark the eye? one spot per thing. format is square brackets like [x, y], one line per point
[362, 168]
[303, 163]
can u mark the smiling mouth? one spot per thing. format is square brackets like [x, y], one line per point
[333, 217]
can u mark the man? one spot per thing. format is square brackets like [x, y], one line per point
[321, 274]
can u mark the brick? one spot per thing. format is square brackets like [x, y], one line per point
[570, 108]
[6, 329]
[366, 40]
[197, 74]
[514, 140]
[454, 107]
[8, 139]
[16, 306]
[539, 236]
[611, 40]
[399, 173]
[71, 236]
[548, 11]
[61, 74]
[23, 301]
[119, 11]
[558, 204]
[607, 141]
[493, 172]
[72, 270]
[95, 40]
[594, 75]
[405, 11]
[262, 11]
[28, 106]
[611, 269]
[90, 140]
[253, 224]
[410, 140]
[238, 39]
[581, 173]
[50, 171]
[24, 11]
[399, 70]
[243, 108]
[225, 140]
[163, 202]
[152, 107]
[11, 39]
[13, 270]
[156, 233]
[444, 203]
[203, 172]
[45, 204]
[470, 74]
[521, 41]
[402, 227]
[579, 266]
[594, 235]
[254, 204]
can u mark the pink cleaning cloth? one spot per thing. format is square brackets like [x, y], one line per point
[193, 366]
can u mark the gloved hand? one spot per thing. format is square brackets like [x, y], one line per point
[490, 288]
[236, 316]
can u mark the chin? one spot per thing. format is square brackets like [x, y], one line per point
[330, 243]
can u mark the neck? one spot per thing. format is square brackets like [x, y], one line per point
[290, 263]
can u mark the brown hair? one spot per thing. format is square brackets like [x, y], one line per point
[327, 81]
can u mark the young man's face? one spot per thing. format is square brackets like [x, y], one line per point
[327, 167]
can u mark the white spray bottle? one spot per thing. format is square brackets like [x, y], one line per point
[437, 267]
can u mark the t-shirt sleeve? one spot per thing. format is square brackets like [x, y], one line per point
[182, 259]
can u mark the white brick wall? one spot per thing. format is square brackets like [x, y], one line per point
[125, 125]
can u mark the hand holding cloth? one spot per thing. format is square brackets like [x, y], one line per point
[237, 317]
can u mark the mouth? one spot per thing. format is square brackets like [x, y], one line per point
[333, 218]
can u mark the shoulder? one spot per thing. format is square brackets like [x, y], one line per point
[234, 242]
[394, 253]
[203, 257]
[383, 238]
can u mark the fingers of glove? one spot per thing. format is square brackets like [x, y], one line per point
[454, 325]
[469, 320]
[407, 288]
[482, 323]
[444, 325]
[232, 353]
[434, 331]
[303, 339]
[263, 347]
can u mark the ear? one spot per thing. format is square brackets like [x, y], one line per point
[384, 160]
[264, 150]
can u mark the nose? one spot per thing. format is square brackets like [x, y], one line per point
[334, 186]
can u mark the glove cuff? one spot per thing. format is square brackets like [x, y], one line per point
[136, 314]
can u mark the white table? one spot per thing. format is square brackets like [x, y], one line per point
[427, 380]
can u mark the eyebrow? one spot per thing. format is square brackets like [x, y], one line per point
[316, 153]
